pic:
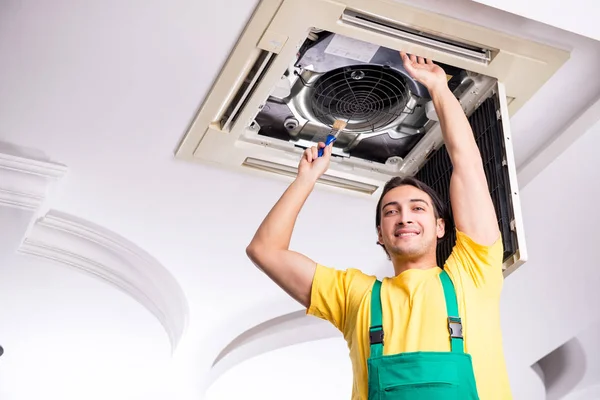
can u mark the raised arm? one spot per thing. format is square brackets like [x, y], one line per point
[470, 198]
[269, 249]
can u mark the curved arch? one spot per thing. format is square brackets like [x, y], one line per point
[101, 253]
[562, 369]
[286, 330]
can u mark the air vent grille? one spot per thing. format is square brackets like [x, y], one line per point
[426, 39]
[254, 76]
[368, 97]
[326, 179]
[487, 128]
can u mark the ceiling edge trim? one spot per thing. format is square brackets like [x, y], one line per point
[285, 330]
[103, 254]
[24, 182]
[563, 368]
[31, 166]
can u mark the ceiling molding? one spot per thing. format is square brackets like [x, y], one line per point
[276, 333]
[24, 182]
[563, 369]
[100, 253]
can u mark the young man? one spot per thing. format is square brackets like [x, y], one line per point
[427, 332]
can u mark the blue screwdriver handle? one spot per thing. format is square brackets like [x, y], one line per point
[330, 139]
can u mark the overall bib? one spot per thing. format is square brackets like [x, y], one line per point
[420, 375]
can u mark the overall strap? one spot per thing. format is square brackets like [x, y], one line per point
[376, 328]
[454, 321]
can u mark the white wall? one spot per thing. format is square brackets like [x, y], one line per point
[54, 319]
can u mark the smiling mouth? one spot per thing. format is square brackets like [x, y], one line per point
[405, 234]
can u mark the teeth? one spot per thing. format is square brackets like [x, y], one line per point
[408, 234]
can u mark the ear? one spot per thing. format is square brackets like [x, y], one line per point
[441, 228]
[379, 235]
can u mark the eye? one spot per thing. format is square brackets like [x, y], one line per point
[419, 208]
[389, 212]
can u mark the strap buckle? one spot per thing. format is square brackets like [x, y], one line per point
[376, 334]
[455, 327]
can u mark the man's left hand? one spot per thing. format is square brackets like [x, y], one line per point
[425, 72]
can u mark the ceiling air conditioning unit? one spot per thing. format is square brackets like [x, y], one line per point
[301, 64]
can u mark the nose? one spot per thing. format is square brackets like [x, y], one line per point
[405, 218]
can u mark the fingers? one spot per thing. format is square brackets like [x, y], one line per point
[415, 59]
[312, 153]
[326, 149]
[308, 154]
[407, 63]
[315, 150]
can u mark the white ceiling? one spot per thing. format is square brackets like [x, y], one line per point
[87, 82]
[554, 13]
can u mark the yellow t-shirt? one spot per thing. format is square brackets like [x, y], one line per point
[414, 312]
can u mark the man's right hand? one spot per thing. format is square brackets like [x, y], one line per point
[312, 167]
[270, 250]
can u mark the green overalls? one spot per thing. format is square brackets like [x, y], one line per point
[420, 375]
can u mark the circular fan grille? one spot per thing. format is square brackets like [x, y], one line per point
[368, 97]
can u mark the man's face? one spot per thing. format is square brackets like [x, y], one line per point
[408, 226]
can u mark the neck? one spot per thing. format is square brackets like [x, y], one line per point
[402, 264]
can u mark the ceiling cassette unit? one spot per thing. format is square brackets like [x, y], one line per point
[299, 65]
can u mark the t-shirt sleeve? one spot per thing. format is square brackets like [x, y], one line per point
[336, 294]
[481, 264]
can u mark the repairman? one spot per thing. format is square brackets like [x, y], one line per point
[427, 332]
